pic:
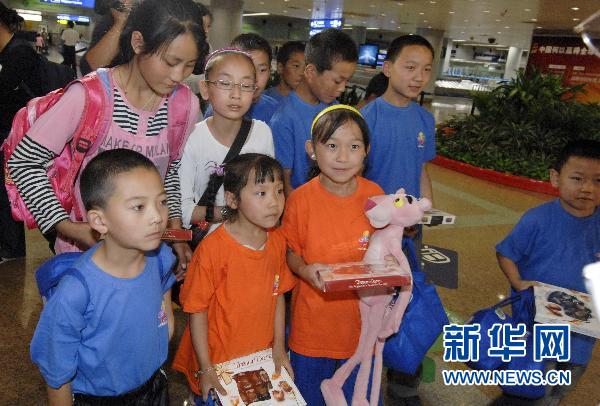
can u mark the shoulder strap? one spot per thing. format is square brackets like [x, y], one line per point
[215, 181]
[90, 127]
[178, 115]
[75, 272]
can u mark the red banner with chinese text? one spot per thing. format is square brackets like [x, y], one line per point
[569, 58]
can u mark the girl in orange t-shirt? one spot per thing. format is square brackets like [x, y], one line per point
[236, 279]
[324, 223]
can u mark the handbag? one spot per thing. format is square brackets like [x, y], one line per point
[216, 180]
[526, 363]
[423, 322]
[523, 312]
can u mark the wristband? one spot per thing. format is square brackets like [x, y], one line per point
[203, 371]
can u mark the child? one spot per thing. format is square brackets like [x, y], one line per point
[290, 66]
[324, 223]
[263, 106]
[105, 343]
[400, 128]
[39, 43]
[376, 87]
[331, 57]
[159, 47]
[553, 242]
[229, 86]
[238, 274]
[403, 140]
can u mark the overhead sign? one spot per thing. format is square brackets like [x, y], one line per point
[318, 25]
[78, 19]
[72, 3]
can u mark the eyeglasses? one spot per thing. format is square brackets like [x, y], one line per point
[230, 84]
[589, 29]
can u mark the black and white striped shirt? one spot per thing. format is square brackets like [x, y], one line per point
[29, 161]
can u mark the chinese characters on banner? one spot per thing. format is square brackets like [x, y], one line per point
[569, 58]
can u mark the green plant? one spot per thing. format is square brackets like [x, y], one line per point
[520, 126]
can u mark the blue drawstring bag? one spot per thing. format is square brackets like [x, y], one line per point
[522, 308]
[423, 322]
[525, 363]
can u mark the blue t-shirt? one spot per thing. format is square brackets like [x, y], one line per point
[552, 246]
[263, 109]
[112, 341]
[274, 93]
[402, 140]
[291, 129]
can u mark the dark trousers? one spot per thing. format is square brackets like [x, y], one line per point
[12, 237]
[69, 57]
[155, 392]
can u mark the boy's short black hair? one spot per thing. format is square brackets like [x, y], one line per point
[377, 85]
[96, 183]
[580, 148]
[289, 48]
[328, 47]
[252, 42]
[406, 40]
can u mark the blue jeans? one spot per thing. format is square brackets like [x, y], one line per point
[311, 371]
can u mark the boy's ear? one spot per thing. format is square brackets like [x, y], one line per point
[95, 218]
[310, 71]
[204, 89]
[387, 68]
[310, 150]
[279, 67]
[137, 42]
[554, 175]
[231, 200]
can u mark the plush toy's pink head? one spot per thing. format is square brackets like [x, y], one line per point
[397, 209]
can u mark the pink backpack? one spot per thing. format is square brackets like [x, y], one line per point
[94, 123]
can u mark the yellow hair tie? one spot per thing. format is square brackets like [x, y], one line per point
[331, 108]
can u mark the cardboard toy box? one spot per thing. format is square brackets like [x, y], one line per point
[358, 275]
[435, 217]
[558, 305]
[251, 380]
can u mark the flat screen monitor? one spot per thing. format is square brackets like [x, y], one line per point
[367, 54]
[381, 56]
[72, 3]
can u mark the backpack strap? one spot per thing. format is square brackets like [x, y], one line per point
[93, 123]
[180, 105]
[77, 274]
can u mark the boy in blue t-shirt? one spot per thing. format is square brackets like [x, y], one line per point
[402, 132]
[104, 333]
[554, 241]
[263, 106]
[402, 141]
[290, 66]
[331, 58]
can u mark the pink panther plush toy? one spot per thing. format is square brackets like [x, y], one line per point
[380, 318]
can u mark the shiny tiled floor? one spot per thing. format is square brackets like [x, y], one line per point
[485, 213]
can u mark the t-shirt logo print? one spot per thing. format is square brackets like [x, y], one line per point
[363, 241]
[421, 139]
[162, 315]
[276, 285]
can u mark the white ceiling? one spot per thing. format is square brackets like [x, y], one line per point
[511, 22]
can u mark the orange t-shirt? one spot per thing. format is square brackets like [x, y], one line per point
[322, 227]
[238, 286]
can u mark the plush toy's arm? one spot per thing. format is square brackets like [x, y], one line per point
[395, 247]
